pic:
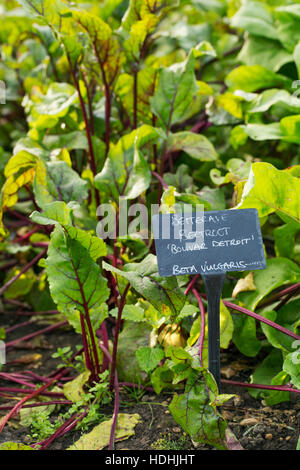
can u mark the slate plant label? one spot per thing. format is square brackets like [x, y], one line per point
[208, 242]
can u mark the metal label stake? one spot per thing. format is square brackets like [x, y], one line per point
[213, 286]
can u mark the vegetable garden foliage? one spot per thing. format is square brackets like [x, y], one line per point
[157, 101]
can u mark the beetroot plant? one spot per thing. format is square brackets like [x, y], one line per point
[116, 110]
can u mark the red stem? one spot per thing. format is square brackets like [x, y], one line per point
[27, 390]
[104, 336]
[191, 284]
[202, 330]
[88, 359]
[160, 179]
[40, 403]
[116, 338]
[281, 388]
[261, 319]
[26, 236]
[32, 395]
[37, 333]
[87, 128]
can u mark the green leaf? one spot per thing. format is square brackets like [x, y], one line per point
[290, 312]
[99, 437]
[56, 212]
[175, 92]
[105, 44]
[256, 18]
[291, 367]
[196, 412]
[263, 132]
[278, 272]
[288, 25]
[74, 277]
[270, 53]
[214, 196]
[275, 337]
[181, 180]
[46, 112]
[133, 337]
[162, 378]
[244, 335]
[195, 145]
[132, 313]
[253, 77]
[268, 371]
[226, 326]
[73, 390]
[284, 237]
[163, 293]
[149, 358]
[296, 57]
[21, 286]
[273, 97]
[126, 171]
[271, 190]
[58, 182]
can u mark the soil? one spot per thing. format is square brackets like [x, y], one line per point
[255, 425]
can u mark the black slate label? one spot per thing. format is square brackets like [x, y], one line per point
[208, 242]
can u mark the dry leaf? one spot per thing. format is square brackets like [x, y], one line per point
[98, 438]
[27, 359]
[249, 421]
[244, 284]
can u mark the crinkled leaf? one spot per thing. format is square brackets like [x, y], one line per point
[149, 358]
[74, 277]
[163, 293]
[105, 44]
[175, 92]
[126, 171]
[58, 182]
[196, 413]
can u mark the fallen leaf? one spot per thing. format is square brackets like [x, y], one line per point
[14, 446]
[74, 390]
[249, 421]
[27, 359]
[230, 370]
[99, 437]
[244, 284]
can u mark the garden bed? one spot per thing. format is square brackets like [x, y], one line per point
[255, 425]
